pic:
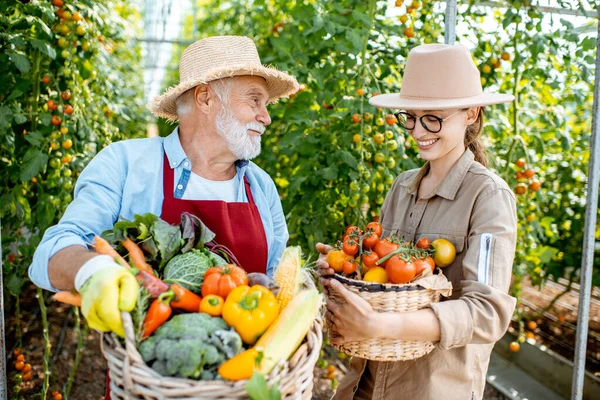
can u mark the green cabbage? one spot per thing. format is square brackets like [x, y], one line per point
[188, 269]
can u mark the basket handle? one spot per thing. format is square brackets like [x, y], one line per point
[131, 353]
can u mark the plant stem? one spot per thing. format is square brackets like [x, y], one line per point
[35, 76]
[47, 346]
[81, 334]
[19, 333]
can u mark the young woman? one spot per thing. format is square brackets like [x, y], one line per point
[453, 196]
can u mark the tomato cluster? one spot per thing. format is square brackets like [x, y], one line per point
[526, 178]
[371, 257]
[20, 365]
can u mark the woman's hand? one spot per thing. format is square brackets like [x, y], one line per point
[352, 320]
[324, 270]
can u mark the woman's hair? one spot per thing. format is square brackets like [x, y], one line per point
[473, 142]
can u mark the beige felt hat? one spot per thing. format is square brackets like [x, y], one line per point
[438, 77]
[221, 57]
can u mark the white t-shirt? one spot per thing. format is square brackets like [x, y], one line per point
[199, 188]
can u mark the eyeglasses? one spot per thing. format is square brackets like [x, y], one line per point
[431, 123]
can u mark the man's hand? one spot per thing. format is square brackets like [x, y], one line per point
[105, 294]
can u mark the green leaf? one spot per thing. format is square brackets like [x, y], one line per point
[347, 158]
[168, 239]
[329, 173]
[257, 388]
[15, 94]
[356, 39]
[33, 162]
[35, 138]
[44, 47]
[20, 61]
[5, 117]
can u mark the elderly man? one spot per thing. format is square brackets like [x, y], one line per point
[203, 168]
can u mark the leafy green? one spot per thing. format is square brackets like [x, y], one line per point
[168, 240]
[257, 388]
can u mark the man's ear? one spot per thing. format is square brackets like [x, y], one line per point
[472, 114]
[202, 97]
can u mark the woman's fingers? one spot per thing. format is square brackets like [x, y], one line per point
[323, 248]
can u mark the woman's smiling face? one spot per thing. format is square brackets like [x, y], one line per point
[449, 139]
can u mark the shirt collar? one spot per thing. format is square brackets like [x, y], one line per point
[176, 155]
[449, 186]
[173, 149]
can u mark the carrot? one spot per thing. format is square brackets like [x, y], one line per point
[103, 247]
[68, 297]
[185, 299]
[137, 256]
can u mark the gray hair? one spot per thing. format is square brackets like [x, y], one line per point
[222, 87]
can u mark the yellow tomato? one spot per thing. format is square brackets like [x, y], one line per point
[377, 275]
[445, 253]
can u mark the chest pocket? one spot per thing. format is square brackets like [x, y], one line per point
[454, 272]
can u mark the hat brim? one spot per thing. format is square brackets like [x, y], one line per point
[393, 100]
[279, 84]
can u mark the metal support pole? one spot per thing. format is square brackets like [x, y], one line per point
[450, 22]
[591, 210]
[3, 381]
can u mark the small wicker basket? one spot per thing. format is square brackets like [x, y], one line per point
[131, 378]
[392, 298]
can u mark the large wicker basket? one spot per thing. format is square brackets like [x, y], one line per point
[131, 378]
[393, 298]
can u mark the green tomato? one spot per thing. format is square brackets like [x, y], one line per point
[366, 188]
[390, 163]
[392, 145]
[353, 186]
[55, 163]
[67, 173]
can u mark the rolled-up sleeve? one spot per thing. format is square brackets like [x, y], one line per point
[482, 313]
[95, 208]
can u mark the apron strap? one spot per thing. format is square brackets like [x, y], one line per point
[168, 179]
[248, 191]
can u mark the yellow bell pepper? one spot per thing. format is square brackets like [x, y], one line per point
[250, 311]
[212, 305]
[241, 366]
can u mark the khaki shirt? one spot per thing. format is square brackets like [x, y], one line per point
[475, 210]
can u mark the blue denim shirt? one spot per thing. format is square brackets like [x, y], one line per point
[126, 178]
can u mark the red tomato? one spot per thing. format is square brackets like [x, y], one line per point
[400, 271]
[352, 229]
[371, 241]
[431, 262]
[385, 247]
[423, 243]
[349, 267]
[350, 247]
[376, 228]
[370, 259]
[421, 265]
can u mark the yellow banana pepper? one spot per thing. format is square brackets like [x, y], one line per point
[241, 366]
[250, 311]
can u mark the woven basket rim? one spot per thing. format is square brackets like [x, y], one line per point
[282, 372]
[378, 287]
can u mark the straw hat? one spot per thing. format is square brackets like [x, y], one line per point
[438, 77]
[221, 57]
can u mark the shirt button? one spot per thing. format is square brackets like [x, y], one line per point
[187, 164]
[179, 187]
[174, 163]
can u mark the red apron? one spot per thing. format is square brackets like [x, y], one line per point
[238, 226]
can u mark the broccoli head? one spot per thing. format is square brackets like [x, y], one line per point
[190, 346]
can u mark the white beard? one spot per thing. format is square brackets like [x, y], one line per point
[241, 144]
